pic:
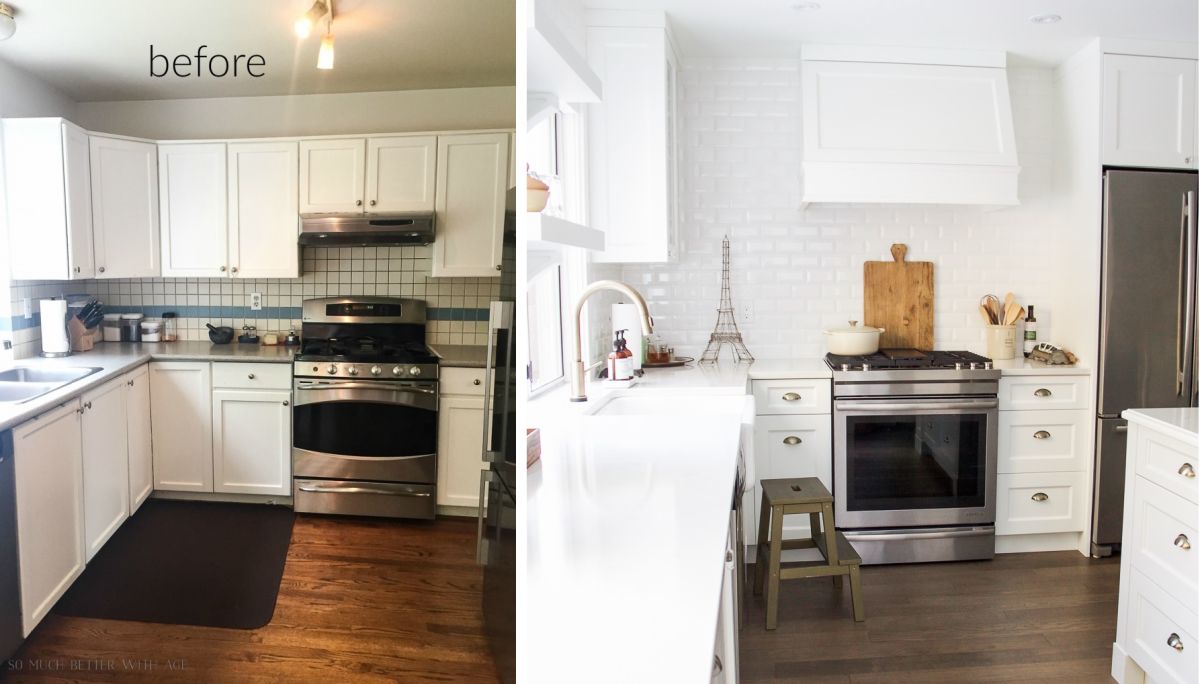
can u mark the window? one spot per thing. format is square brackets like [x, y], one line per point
[544, 306]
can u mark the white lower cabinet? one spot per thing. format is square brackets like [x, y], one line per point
[252, 436]
[791, 446]
[137, 421]
[181, 423]
[105, 464]
[1039, 503]
[48, 460]
[460, 437]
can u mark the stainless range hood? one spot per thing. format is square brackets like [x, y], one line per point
[366, 229]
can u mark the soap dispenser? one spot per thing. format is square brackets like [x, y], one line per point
[620, 361]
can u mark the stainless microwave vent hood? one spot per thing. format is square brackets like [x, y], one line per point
[366, 229]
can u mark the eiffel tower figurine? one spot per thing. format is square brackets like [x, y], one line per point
[726, 331]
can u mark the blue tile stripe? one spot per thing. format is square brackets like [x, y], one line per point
[19, 322]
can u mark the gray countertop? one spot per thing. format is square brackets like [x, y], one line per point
[461, 355]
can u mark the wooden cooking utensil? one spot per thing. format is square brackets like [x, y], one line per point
[993, 308]
[987, 315]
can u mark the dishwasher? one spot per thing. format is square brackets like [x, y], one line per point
[10, 588]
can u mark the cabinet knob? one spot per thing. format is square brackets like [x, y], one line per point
[1187, 470]
[498, 267]
[475, 381]
[87, 404]
[1042, 392]
[222, 269]
[1187, 160]
[1175, 642]
[791, 440]
[285, 402]
[251, 376]
[79, 410]
[77, 269]
[1041, 434]
[1182, 542]
[101, 269]
[1040, 496]
[791, 396]
[372, 202]
[358, 203]
[234, 269]
[129, 382]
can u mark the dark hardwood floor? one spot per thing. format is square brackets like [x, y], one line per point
[1037, 617]
[360, 601]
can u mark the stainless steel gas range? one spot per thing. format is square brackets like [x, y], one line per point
[915, 454]
[364, 427]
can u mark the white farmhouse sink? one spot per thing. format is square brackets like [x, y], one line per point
[646, 402]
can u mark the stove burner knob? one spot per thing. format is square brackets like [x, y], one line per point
[974, 366]
[332, 370]
[415, 370]
[352, 370]
[845, 366]
[398, 370]
[376, 370]
[866, 366]
[958, 365]
[987, 365]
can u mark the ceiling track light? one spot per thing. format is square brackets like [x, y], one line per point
[306, 21]
[8, 25]
[325, 56]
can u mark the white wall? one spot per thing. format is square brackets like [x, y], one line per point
[802, 270]
[284, 115]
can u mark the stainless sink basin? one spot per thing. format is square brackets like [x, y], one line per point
[24, 383]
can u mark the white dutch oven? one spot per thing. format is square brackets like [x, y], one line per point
[853, 340]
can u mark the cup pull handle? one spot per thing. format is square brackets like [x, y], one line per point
[791, 440]
[791, 396]
[1187, 470]
[1042, 392]
[1040, 496]
[1182, 542]
[1041, 434]
[1175, 642]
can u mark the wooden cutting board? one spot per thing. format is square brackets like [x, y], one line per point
[898, 297]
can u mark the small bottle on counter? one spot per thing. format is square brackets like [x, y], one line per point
[620, 361]
[1030, 332]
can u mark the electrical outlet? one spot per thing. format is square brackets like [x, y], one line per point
[27, 307]
[256, 301]
[748, 313]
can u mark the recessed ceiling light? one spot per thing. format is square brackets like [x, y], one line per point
[801, 6]
[1045, 18]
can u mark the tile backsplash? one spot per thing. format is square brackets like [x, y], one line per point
[457, 306]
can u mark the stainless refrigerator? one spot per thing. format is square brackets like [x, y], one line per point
[497, 540]
[1148, 351]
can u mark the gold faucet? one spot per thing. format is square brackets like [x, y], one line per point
[577, 371]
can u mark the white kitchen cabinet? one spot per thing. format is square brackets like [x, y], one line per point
[1043, 441]
[263, 223]
[48, 463]
[460, 437]
[137, 421]
[1148, 112]
[472, 177]
[332, 175]
[252, 437]
[181, 425]
[105, 464]
[788, 446]
[401, 173]
[125, 207]
[1040, 503]
[631, 135]
[47, 181]
[192, 209]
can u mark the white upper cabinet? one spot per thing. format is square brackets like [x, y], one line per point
[263, 223]
[1149, 112]
[48, 186]
[125, 207]
[631, 140]
[472, 176]
[331, 175]
[401, 173]
[191, 184]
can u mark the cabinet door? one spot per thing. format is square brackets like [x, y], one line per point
[472, 171]
[137, 421]
[629, 143]
[400, 173]
[191, 188]
[460, 450]
[125, 207]
[1149, 111]
[48, 465]
[792, 446]
[252, 440]
[263, 224]
[77, 177]
[331, 175]
[105, 464]
[181, 425]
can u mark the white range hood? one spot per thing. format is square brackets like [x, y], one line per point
[902, 125]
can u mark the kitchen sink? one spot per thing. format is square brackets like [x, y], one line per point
[24, 383]
[23, 391]
[664, 403]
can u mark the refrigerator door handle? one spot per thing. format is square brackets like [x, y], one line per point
[1186, 352]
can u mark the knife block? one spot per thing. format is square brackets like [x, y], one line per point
[82, 339]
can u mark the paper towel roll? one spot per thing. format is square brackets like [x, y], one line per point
[54, 327]
[626, 317]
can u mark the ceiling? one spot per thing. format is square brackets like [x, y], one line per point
[771, 28]
[95, 50]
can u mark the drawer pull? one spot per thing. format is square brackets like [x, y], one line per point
[791, 396]
[1175, 642]
[1187, 470]
[1040, 496]
[1042, 392]
[1182, 542]
[791, 440]
[250, 376]
[1041, 434]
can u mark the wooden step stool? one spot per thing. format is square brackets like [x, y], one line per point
[802, 495]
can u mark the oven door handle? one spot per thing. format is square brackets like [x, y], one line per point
[414, 397]
[382, 387]
[359, 490]
[936, 405]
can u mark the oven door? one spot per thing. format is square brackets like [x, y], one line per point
[913, 462]
[365, 430]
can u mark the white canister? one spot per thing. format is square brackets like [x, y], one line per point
[112, 327]
[152, 330]
[1001, 342]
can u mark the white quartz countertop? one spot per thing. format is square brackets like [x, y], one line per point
[1180, 423]
[626, 523]
[1023, 366]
